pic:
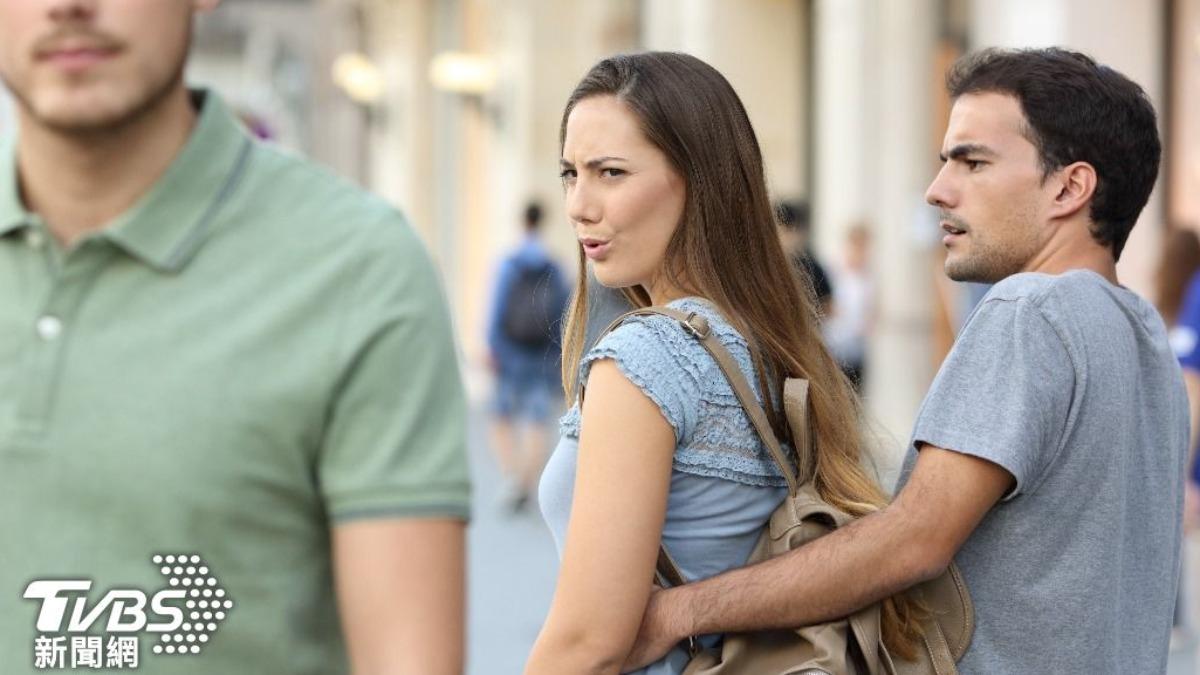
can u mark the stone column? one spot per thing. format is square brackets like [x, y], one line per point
[904, 152]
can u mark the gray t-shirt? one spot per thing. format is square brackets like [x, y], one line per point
[1069, 384]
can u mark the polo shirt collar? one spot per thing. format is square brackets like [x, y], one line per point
[166, 226]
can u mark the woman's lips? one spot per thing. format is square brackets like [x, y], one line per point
[595, 249]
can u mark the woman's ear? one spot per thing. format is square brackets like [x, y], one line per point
[1076, 185]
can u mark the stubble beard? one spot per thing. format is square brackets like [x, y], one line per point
[145, 103]
[988, 262]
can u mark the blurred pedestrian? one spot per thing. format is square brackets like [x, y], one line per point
[795, 233]
[848, 326]
[1047, 458]
[660, 450]
[1179, 303]
[1178, 282]
[523, 334]
[217, 355]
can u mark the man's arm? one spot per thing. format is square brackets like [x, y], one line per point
[910, 541]
[400, 594]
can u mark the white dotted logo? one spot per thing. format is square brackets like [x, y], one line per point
[206, 605]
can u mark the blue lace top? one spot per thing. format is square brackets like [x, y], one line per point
[724, 484]
[713, 435]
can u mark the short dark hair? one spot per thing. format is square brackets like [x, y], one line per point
[794, 214]
[1077, 111]
[533, 216]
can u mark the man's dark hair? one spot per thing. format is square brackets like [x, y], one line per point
[533, 216]
[794, 215]
[1077, 111]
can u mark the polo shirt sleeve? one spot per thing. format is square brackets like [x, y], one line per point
[395, 440]
[1004, 393]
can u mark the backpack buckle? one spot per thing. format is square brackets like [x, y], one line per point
[697, 325]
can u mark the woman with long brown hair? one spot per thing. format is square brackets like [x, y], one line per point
[664, 185]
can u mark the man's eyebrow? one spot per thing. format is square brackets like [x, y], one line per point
[592, 163]
[964, 149]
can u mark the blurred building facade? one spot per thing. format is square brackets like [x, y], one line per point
[451, 108]
[846, 97]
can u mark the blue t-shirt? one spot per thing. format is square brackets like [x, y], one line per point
[1185, 339]
[724, 484]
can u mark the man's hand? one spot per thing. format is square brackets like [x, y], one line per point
[655, 636]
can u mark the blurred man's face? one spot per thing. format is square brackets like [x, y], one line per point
[81, 66]
[990, 192]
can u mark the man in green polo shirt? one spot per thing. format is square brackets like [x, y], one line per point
[231, 420]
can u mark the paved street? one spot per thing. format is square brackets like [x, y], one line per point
[512, 567]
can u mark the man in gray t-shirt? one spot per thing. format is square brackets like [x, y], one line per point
[1048, 456]
[1068, 384]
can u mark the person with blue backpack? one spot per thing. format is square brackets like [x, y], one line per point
[530, 297]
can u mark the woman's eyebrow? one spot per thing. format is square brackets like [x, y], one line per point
[592, 163]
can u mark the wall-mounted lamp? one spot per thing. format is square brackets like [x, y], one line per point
[358, 76]
[462, 73]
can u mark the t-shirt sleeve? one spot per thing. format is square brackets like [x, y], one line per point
[1185, 334]
[1004, 393]
[657, 356]
[395, 441]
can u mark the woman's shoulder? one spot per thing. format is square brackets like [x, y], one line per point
[663, 359]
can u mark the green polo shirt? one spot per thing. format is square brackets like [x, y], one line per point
[254, 353]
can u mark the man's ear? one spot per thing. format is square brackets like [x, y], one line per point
[1076, 185]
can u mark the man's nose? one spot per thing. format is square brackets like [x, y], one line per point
[940, 192]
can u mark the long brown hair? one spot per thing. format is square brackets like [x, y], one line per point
[726, 250]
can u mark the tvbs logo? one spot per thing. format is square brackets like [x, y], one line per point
[183, 616]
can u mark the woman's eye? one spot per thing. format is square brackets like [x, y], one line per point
[972, 164]
[612, 172]
[566, 174]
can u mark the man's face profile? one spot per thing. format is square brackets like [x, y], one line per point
[990, 191]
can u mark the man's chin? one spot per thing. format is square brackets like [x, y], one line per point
[71, 118]
[963, 270]
[85, 111]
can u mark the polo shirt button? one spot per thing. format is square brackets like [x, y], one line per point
[49, 327]
[35, 238]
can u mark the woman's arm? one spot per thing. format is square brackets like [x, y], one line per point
[620, 501]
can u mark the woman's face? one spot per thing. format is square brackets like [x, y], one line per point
[622, 195]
